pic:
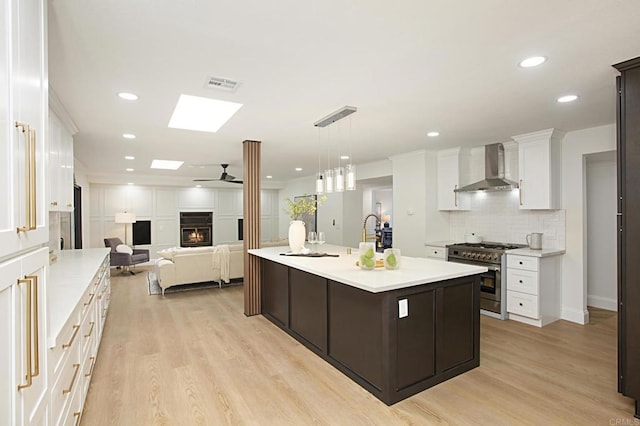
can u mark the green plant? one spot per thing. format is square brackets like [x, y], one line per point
[308, 204]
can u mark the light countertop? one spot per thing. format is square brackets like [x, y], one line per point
[442, 244]
[68, 279]
[536, 253]
[413, 270]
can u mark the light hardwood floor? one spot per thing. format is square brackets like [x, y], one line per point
[193, 358]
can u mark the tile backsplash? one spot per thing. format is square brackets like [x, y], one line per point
[496, 216]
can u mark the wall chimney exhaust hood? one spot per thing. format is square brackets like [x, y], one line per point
[494, 179]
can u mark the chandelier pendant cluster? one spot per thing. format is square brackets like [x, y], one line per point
[340, 178]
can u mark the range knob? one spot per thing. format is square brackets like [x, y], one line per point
[482, 256]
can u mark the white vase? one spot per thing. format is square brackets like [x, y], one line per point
[297, 236]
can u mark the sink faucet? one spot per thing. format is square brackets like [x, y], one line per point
[364, 228]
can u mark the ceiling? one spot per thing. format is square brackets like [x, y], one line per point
[409, 68]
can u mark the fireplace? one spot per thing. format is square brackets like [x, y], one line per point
[195, 229]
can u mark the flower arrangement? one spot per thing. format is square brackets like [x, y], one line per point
[305, 205]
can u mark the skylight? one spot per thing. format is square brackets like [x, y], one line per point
[166, 164]
[202, 114]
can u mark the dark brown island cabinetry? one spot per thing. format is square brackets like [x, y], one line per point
[360, 332]
[628, 120]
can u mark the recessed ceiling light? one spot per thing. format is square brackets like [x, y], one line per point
[433, 134]
[128, 136]
[567, 98]
[128, 96]
[129, 183]
[201, 114]
[344, 157]
[198, 186]
[166, 164]
[533, 61]
[298, 169]
[269, 176]
[129, 170]
[129, 157]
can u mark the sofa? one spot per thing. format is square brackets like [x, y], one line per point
[189, 265]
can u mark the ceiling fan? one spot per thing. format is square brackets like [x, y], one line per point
[224, 177]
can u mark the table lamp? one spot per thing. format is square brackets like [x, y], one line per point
[125, 218]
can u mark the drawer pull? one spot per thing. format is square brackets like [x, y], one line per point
[520, 303]
[73, 337]
[77, 416]
[87, 303]
[73, 379]
[91, 329]
[93, 363]
[520, 263]
[520, 281]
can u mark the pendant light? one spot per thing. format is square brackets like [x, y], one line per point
[320, 174]
[328, 174]
[350, 169]
[339, 171]
[340, 178]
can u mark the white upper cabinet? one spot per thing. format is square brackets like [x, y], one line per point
[453, 169]
[23, 112]
[539, 165]
[60, 177]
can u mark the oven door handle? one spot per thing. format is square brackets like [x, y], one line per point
[493, 268]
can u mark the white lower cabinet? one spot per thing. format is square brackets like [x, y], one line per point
[434, 252]
[533, 289]
[23, 332]
[76, 331]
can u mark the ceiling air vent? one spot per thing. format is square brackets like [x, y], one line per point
[222, 83]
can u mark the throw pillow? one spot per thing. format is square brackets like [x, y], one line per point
[121, 248]
[168, 253]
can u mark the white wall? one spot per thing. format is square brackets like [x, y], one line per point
[575, 146]
[602, 289]
[409, 201]
[162, 206]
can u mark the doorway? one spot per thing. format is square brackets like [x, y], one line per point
[77, 217]
[601, 230]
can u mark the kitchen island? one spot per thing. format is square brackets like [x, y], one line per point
[395, 333]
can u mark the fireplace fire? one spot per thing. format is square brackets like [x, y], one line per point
[195, 229]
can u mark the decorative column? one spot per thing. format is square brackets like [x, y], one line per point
[251, 226]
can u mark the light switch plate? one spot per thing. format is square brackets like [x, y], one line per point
[403, 308]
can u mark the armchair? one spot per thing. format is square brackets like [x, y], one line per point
[125, 260]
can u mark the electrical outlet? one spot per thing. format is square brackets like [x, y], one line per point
[403, 308]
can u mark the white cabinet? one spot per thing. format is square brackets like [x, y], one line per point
[24, 330]
[453, 168]
[435, 252]
[79, 298]
[60, 166]
[533, 289]
[23, 122]
[539, 165]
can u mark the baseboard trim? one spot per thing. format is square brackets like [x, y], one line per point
[575, 315]
[602, 302]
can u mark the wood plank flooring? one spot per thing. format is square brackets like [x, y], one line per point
[193, 358]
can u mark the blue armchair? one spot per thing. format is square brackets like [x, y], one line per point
[125, 260]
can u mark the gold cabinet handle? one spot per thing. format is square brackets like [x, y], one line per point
[77, 416]
[36, 323]
[29, 375]
[33, 223]
[88, 302]
[73, 337]
[69, 205]
[54, 203]
[455, 196]
[93, 363]
[24, 128]
[520, 191]
[73, 379]
[91, 329]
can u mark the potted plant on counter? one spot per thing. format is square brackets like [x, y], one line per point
[297, 209]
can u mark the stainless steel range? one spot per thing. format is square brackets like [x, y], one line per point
[491, 255]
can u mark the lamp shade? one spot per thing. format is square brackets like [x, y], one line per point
[125, 217]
